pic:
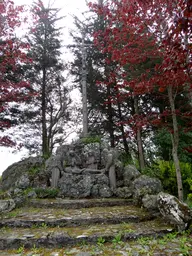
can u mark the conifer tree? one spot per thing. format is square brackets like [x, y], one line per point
[46, 73]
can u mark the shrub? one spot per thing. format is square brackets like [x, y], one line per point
[189, 197]
[165, 171]
[46, 192]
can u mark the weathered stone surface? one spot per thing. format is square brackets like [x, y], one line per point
[105, 191]
[7, 205]
[124, 192]
[144, 185]
[119, 169]
[27, 217]
[150, 202]
[32, 194]
[110, 157]
[41, 180]
[33, 238]
[16, 191]
[54, 167]
[63, 150]
[130, 174]
[100, 190]
[174, 210]
[20, 200]
[84, 254]
[12, 175]
[23, 182]
[78, 203]
[55, 161]
[91, 171]
[18, 196]
[82, 186]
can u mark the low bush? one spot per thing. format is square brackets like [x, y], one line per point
[46, 192]
[165, 171]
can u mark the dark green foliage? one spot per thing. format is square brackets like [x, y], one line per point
[46, 192]
[4, 195]
[91, 139]
[33, 171]
[189, 200]
[49, 111]
[165, 171]
[125, 158]
[162, 142]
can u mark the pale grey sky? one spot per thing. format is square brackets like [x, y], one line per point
[69, 7]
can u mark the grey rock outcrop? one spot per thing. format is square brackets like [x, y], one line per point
[144, 185]
[18, 196]
[130, 174]
[23, 182]
[175, 211]
[149, 202]
[7, 205]
[18, 173]
[124, 192]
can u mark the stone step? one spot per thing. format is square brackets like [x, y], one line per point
[78, 203]
[29, 216]
[57, 237]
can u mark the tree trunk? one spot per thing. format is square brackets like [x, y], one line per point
[45, 147]
[84, 88]
[175, 143]
[122, 130]
[110, 120]
[139, 140]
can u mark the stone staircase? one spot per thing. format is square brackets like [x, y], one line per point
[57, 223]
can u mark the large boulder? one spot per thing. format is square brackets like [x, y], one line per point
[145, 185]
[130, 174]
[149, 202]
[7, 205]
[175, 211]
[19, 174]
[124, 192]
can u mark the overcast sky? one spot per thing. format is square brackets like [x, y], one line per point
[69, 7]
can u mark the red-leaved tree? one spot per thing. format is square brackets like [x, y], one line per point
[12, 55]
[144, 31]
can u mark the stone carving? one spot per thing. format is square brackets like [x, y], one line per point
[74, 159]
[91, 160]
[74, 170]
[54, 168]
[110, 157]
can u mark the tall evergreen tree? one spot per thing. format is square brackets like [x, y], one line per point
[51, 106]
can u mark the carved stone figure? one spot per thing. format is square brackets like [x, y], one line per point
[110, 156]
[91, 160]
[74, 159]
[54, 168]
